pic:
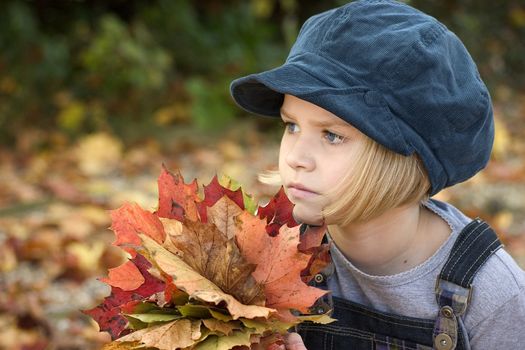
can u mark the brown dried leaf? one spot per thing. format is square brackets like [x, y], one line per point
[117, 345]
[223, 214]
[211, 254]
[198, 287]
[226, 328]
[172, 335]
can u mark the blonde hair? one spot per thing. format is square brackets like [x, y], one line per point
[381, 180]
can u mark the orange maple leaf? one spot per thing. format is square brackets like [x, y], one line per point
[279, 263]
[126, 277]
[129, 220]
[177, 200]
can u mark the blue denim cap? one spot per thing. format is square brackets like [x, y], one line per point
[396, 74]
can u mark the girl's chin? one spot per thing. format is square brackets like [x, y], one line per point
[307, 216]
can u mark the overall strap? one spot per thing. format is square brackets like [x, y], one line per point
[324, 304]
[473, 247]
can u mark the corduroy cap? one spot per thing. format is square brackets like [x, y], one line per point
[393, 72]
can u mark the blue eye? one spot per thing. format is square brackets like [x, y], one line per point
[291, 127]
[334, 138]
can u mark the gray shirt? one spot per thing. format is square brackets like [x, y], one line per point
[495, 318]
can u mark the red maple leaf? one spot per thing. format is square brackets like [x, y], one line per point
[108, 314]
[215, 191]
[277, 212]
[311, 243]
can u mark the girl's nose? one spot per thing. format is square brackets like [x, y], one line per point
[300, 155]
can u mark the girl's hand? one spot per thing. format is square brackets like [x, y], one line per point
[293, 341]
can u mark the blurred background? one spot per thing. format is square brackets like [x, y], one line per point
[96, 94]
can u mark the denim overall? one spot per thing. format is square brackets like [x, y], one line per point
[359, 327]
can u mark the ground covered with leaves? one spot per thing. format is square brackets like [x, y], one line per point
[55, 213]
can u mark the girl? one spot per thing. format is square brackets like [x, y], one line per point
[383, 107]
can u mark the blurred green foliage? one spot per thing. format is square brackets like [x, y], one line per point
[71, 67]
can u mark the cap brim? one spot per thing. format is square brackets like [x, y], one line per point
[263, 93]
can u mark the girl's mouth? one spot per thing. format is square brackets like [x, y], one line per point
[300, 193]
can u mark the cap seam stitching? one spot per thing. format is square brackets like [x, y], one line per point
[433, 34]
[347, 74]
[331, 28]
[432, 150]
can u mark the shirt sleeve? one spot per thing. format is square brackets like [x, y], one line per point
[503, 329]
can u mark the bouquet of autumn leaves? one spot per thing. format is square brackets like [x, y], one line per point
[217, 272]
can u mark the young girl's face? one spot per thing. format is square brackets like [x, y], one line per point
[317, 150]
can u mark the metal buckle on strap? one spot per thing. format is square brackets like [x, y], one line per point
[453, 300]
[459, 297]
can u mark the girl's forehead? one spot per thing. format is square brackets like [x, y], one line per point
[302, 110]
